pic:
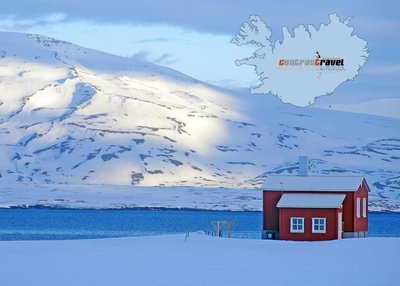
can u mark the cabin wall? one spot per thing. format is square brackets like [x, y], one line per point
[270, 211]
[331, 216]
[348, 212]
[361, 223]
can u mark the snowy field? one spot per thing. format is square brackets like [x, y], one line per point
[120, 197]
[199, 260]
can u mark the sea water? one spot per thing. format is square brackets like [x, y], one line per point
[45, 224]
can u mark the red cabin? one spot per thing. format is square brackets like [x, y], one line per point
[314, 207]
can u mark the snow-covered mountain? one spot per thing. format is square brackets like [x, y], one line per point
[74, 115]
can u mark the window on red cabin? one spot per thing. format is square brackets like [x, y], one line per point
[364, 206]
[318, 225]
[297, 224]
[358, 207]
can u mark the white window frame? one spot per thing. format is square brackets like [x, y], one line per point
[364, 207]
[292, 230]
[314, 224]
[358, 208]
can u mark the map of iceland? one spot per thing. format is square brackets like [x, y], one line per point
[307, 63]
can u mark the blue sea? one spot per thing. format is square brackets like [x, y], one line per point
[45, 224]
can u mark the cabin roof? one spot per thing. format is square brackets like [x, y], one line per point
[324, 201]
[313, 183]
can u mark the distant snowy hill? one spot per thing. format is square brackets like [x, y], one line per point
[380, 105]
[78, 116]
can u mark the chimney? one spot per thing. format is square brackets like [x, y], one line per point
[303, 166]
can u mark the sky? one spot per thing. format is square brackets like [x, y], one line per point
[194, 37]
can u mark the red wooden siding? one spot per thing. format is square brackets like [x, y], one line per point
[348, 212]
[361, 223]
[270, 211]
[351, 222]
[331, 216]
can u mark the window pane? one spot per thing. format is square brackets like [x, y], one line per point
[364, 207]
[319, 225]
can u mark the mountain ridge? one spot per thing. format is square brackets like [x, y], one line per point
[71, 115]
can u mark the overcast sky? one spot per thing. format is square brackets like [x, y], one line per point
[194, 36]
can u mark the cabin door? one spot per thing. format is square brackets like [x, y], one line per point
[340, 223]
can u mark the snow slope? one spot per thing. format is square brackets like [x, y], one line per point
[71, 115]
[120, 197]
[199, 260]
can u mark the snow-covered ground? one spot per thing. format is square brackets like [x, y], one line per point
[199, 260]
